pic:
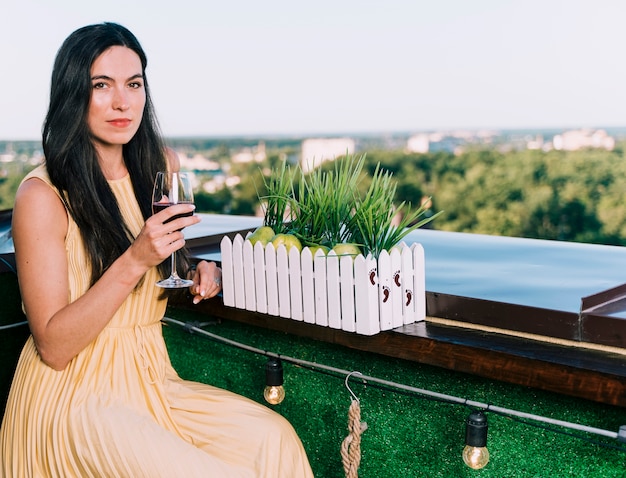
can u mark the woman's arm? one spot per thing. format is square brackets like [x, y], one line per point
[60, 329]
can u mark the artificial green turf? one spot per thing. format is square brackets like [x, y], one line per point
[407, 436]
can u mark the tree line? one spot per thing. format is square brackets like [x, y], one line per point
[558, 195]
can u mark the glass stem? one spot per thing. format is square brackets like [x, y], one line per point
[174, 273]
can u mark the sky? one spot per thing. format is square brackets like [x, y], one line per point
[332, 67]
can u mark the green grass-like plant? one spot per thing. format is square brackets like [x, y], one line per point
[324, 209]
[277, 202]
[327, 209]
[375, 214]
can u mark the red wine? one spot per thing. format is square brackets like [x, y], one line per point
[159, 206]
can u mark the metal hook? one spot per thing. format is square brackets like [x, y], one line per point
[354, 397]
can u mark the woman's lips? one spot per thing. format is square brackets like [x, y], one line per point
[119, 123]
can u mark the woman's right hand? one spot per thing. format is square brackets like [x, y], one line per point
[162, 234]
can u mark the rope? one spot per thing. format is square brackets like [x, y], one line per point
[351, 446]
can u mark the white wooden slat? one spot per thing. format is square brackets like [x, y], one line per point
[348, 318]
[248, 276]
[295, 284]
[238, 280]
[321, 296]
[419, 281]
[272, 279]
[396, 288]
[308, 287]
[228, 288]
[384, 291]
[282, 273]
[260, 278]
[333, 290]
[366, 296]
[408, 296]
[362, 296]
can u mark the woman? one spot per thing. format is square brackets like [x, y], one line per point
[94, 393]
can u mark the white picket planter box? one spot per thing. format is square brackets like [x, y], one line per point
[359, 295]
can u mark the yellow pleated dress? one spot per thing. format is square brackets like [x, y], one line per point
[119, 409]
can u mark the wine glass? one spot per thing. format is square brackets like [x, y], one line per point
[172, 187]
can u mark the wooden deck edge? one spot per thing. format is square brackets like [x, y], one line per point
[589, 373]
[579, 344]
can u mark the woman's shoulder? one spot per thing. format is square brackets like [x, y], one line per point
[44, 186]
[40, 172]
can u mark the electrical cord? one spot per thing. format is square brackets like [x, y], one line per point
[521, 417]
[11, 326]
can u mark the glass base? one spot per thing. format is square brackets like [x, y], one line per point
[174, 283]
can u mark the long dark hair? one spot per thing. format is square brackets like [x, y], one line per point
[71, 158]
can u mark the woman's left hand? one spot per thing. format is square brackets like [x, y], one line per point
[207, 281]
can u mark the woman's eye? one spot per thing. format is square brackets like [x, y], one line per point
[99, 85]
[136, 84]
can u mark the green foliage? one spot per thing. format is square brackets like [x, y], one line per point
[557, 195]
[218, 202]
[329, 208]
[11, 175]
[571, 196]
[276, 203]
[324, 209]
[374, 215]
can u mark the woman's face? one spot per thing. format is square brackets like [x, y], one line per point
[118, 97]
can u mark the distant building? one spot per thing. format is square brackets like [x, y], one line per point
[317, 150]
[536, 143]
[418, 143]
[583, 138]
[197, 162]
[450, 141]
[247, 155]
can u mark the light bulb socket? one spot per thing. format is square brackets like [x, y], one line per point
[273, 372]
[476, 429]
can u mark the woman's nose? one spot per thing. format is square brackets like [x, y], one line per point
[120, 101]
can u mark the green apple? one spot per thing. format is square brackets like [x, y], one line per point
[288, 240]
[263, 234]
[347, 249]
[317, 247]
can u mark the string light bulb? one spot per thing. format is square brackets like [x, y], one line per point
[274, 392]
[475, 453]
